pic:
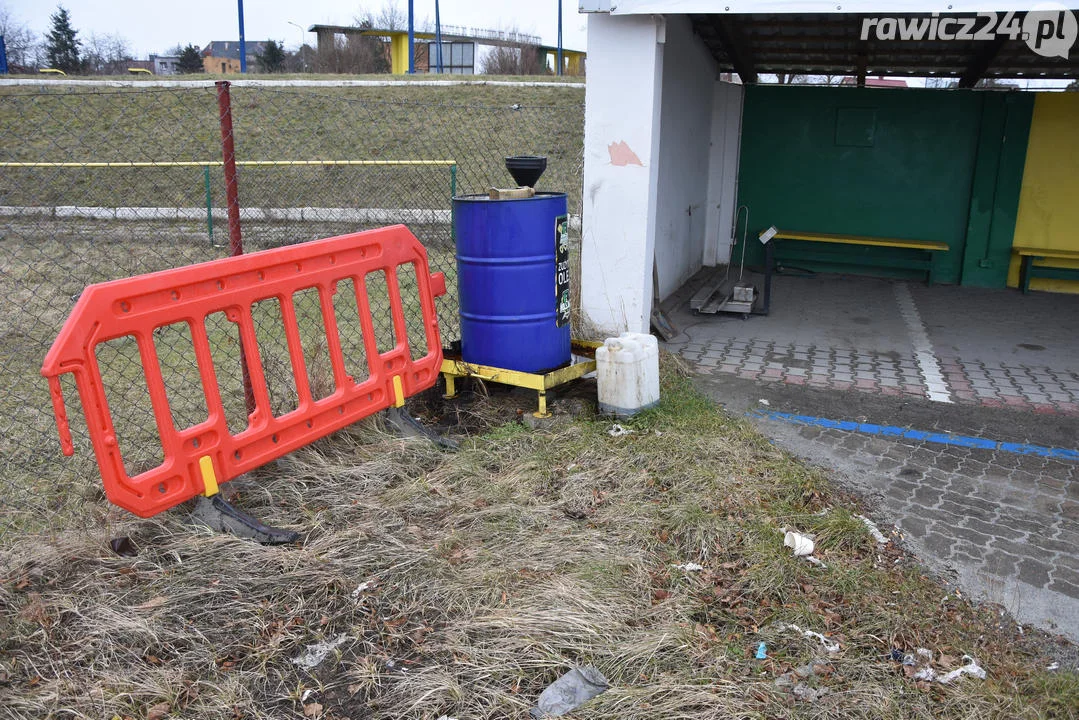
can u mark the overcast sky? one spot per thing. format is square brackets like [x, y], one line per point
[151, 26]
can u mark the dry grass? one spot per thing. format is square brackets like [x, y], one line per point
[43, 268]
[487, 573]
[474, 126]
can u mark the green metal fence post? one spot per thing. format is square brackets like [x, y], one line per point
[209, 204]
[453, 194]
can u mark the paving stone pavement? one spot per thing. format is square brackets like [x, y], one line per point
[1006, 524]
[872, 351]
[891, 373]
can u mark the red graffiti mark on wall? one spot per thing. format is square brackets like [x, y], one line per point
[621, 155]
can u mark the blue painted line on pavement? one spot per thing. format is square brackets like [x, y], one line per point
[893, 431]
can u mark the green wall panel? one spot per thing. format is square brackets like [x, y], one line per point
[998, 176]
[882, 162]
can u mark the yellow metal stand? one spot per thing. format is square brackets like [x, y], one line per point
[541, 383]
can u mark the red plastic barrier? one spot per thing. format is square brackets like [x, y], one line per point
[197, 458]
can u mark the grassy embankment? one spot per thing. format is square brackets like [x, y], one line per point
[462, 584]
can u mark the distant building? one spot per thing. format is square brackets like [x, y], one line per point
[876, 82]
[462, 47]
[223, 56]
[165, 64]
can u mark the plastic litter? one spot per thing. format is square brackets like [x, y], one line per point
[971, 668]
[795, 681]
[926, 674]
[762, 651]
[617, 430]
[1052, 666]
[360, 588]
[912, 659]
[764, 402]
[569, 692]
[921, 658]
[807, 693]
[313, 655]
[802, 545]
[690, 567]
[830, 646]
[873, 530]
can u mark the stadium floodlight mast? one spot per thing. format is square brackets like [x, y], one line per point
[559, 39]
[243, 43]
[438, 40]
[411, 37]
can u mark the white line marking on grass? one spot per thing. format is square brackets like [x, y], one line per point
[928, 364]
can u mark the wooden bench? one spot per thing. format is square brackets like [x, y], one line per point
[1028, 270]
[925, 260]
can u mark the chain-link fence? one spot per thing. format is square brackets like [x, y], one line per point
[107, 183]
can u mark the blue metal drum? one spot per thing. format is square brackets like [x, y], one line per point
[513, 281]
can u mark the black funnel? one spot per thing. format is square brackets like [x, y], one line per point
[526, 169]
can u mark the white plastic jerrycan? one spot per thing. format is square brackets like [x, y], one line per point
[627, 373]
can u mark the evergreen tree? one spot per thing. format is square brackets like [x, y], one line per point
[190, 60]
[272, 57]
[61, 45]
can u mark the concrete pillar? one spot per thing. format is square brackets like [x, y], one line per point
[621, 142]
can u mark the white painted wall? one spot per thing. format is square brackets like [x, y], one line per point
[689, 80]
[622, 117]
[726, 135]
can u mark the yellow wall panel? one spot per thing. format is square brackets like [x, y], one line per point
[1049, 199]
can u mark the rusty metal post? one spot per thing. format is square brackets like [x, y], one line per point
[228, 155]
[232, 195]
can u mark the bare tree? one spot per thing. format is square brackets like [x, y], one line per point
[302, 60]
[390, 16]
[369, 54]
[106, 55]
[941, 82]
[514, 59]
[354, 54]
[19, 40]
[799, 79]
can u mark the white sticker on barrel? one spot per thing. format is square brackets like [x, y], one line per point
[562, 277]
